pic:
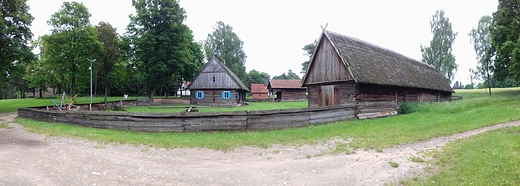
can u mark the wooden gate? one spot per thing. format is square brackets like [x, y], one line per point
[328, 95]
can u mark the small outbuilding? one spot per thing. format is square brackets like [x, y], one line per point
[259, 91]
[216, 84]
[287, 90]
[347, 71]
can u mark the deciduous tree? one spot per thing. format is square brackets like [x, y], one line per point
[163, 45]
[15, 37]
[226, 44]
[481, 39]
[106, 60]
[505, 35]
[309, 50]
[438, 54]
[73, 41]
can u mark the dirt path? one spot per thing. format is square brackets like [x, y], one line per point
[33, 159]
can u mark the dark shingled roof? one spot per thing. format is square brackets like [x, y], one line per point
[215, 67]
[372, 64]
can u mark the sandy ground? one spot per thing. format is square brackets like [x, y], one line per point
[33, 159]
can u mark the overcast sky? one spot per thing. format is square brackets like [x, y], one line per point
[275, 31]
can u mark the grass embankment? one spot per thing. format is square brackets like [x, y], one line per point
[475, 110]
[12, 105]
[490, 158]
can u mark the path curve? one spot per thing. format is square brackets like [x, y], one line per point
[34, 159]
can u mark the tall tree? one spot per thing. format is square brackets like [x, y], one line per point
[107, 35]
[309, 50]
[73, 41]
[505, 35]
[481, 39]
[162, 44]
[256, 77]
[439, 53]
[290, 75]
[15, 36]
[224, 43]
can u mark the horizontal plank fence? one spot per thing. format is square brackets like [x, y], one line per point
[194, 121]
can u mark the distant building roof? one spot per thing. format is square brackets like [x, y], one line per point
[285, 83]
[258, 88]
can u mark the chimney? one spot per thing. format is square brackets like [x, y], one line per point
[266, 81]
[223, 61]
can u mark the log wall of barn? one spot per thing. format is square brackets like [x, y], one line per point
[292, 94]
[213, 97]
[347, 93]
[375, 98]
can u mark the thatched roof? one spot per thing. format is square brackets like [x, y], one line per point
[371, 64]
[215, 75]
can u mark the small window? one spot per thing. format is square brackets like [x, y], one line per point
[213, 79]
[226, 95]
[199, 95]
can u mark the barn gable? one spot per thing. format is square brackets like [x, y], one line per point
[353, 59]
[326, 64]
[215, 75]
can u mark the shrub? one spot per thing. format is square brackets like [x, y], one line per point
[408, 107]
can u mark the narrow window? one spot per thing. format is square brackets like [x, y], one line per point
[226, 95]
[213, 79]
[199, 95]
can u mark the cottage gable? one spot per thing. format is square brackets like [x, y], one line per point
[215, 75]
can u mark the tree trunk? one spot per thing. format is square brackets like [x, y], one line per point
[489, 84]
[106, 94]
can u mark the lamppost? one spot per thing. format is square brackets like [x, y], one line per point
[90, 104]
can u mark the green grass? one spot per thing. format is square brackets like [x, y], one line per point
[250, 107]
[12, 105]
[491, 158]
[431, 120]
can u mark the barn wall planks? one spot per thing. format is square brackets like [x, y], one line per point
[195, 121]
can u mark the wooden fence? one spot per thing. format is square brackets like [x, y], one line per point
[194, 121]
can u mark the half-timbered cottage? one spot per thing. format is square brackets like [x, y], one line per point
[347, 71]
[216, 84]
[259, 91]
[287, 90]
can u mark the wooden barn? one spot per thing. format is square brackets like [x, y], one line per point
[259, 91]
[348, 71]
[215, 84]
[287, 90]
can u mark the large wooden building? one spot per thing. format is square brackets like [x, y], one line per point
[287, 90]
[347, 71]
[215, 84]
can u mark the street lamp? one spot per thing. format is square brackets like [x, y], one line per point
[90, 105]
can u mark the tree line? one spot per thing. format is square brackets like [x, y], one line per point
[156, 52]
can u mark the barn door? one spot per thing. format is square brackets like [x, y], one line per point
[328, 96]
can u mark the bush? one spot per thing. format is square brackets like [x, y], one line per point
[408, 107]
